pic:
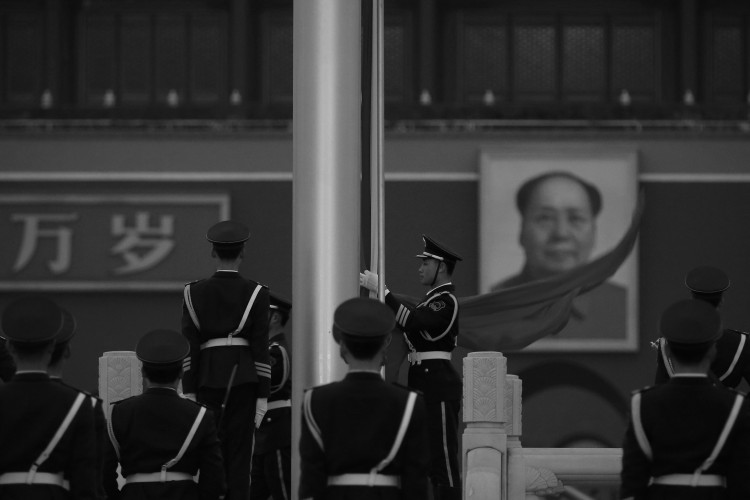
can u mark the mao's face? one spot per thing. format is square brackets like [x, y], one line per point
[558, 228]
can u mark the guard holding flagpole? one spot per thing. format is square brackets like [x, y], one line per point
[431, 332]
[225, 318]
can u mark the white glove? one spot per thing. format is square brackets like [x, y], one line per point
[369, 280]
[261, 406]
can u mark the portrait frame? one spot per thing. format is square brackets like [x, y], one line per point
[614, 170]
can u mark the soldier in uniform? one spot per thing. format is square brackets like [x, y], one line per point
[363, 438]
[272, 458]
[60, 354]
[47, 436]
[732, 362]
[225, 318]
[160, 439]
[431, 332]
[688, 438]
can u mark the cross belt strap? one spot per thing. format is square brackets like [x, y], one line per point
[225, 342]
[158, 477]
[72, 412]
[188, 439]
[689, 480]
[735, 359]
[364, 480]
[39, 478]
[416, 358]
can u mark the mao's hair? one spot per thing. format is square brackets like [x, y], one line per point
[524, 193]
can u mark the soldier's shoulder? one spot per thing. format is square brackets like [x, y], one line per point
[643, 390]
[256, 283]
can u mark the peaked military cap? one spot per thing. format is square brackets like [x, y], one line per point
[438, 251]
[162, 348]
[707, 280]
[279, 303]
[68, 329]
[690, 323]
[32, 320]
[228, 233]
[363, 318]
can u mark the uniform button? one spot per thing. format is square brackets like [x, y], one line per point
[426, 370]
[268, 419]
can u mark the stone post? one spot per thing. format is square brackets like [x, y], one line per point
[119, 377]
[492, 413]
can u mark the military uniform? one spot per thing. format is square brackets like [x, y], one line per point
[225, 319]
[47, 436]
[162, 440]
[93, 403]
[732, 362]
[431, 331]
[363, 438]
[687, 438]
[7, 365]
[272, 457]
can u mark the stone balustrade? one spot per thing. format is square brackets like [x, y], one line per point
[495, 465]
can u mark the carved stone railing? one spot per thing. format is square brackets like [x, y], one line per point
[495, 465]
[119, 377]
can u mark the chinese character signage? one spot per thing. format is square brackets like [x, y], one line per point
[105, 242]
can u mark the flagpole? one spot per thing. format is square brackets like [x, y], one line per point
[377, 176]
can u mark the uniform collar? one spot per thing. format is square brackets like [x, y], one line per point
[31, 375]
[226, 273]
[447, 286]
[363, 375]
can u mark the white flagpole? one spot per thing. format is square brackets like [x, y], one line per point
[327, 173]
[377, 177]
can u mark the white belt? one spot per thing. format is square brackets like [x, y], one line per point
[158, 477]
[416, 358]
[364, 480]
[282, 403]
[38, 478]
[224, 342]
[690, 480]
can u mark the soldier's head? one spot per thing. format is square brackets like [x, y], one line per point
[161, 353]
[228, 240]
[438, 262]
[691, 328]
[62, 343]
[280, 309]
[708, 284]
[30, 324]
[362, 327]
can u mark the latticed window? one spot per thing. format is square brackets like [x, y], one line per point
[727, 50]
[555, 58]
[152, 54]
